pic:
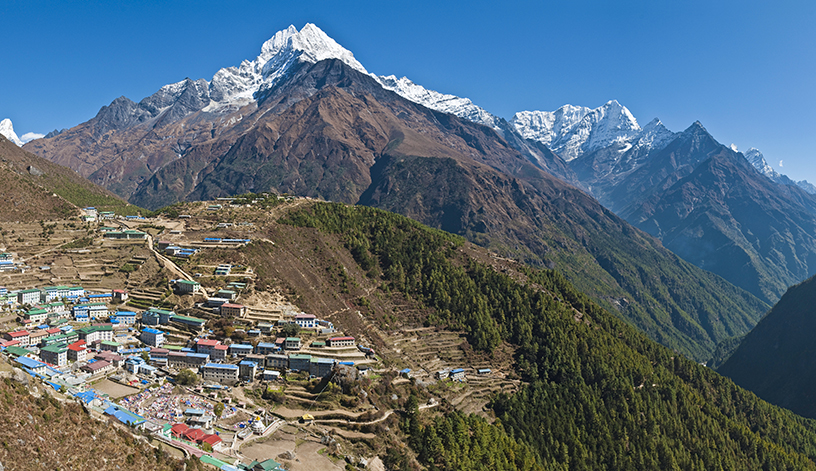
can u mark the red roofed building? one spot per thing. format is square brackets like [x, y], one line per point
[54, 331]
[211, 440]
[235, 310]
[207, 346]
[22, 335]
[178, 430]
[219, 352]
[340, 342]
[195, 435]
[119, 295]
[9, 343]
[77, 351]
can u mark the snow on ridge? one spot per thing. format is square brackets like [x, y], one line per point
[7, 129]
[655, 135]
[237, 86]
[757, 160]
[458, 106]
[571, 131]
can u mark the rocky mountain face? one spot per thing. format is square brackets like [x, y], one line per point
[327, 129]
[719, 209]
[126, 142]
[777, 359]
[708, 204]
[727, 218]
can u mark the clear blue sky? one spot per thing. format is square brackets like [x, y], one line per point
[745, 69]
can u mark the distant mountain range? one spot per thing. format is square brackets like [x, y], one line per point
[305, 117]
[749, 224]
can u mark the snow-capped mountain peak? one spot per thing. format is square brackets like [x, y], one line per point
[755, 158]
[237, 86]
[571, 131]
[7, 129]
[655, 135]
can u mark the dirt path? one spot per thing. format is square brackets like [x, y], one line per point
[166, 262]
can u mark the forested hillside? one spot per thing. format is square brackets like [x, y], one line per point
[777, 360]
[600, 395]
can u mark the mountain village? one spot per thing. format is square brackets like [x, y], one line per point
[129, 357]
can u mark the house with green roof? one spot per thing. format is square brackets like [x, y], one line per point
[191, 321]
[28, 296]
[56, 355]
[15, 351]
[110, 346]
[187, 286]
[91, 334]
[36, 315]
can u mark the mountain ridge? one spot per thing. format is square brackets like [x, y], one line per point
[330, 131]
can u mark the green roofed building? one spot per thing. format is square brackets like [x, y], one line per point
[110, 346]
[17, 351]
[267, 465]
[191, 321]
[57, 339]
[126, 235]
[56, 355]
[187, 286]
[36, 315]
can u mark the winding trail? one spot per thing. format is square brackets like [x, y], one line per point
[166, 262]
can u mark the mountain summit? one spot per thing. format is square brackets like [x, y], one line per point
[240, 85]
[7, 129]
[572, 131]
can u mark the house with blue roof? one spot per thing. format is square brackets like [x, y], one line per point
[152, 337]
[247, 370]
[37, 367]
[240, 349]
[125, 317]
[265, 348]
[123, 415]
[457, 374]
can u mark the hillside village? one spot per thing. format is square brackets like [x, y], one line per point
[123, 314]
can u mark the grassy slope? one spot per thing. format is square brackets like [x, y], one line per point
[625, 270]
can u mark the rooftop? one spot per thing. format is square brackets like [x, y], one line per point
[221, 366]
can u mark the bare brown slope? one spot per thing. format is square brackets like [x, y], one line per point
[34, 188]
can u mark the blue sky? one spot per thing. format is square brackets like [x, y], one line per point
[744, 69]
